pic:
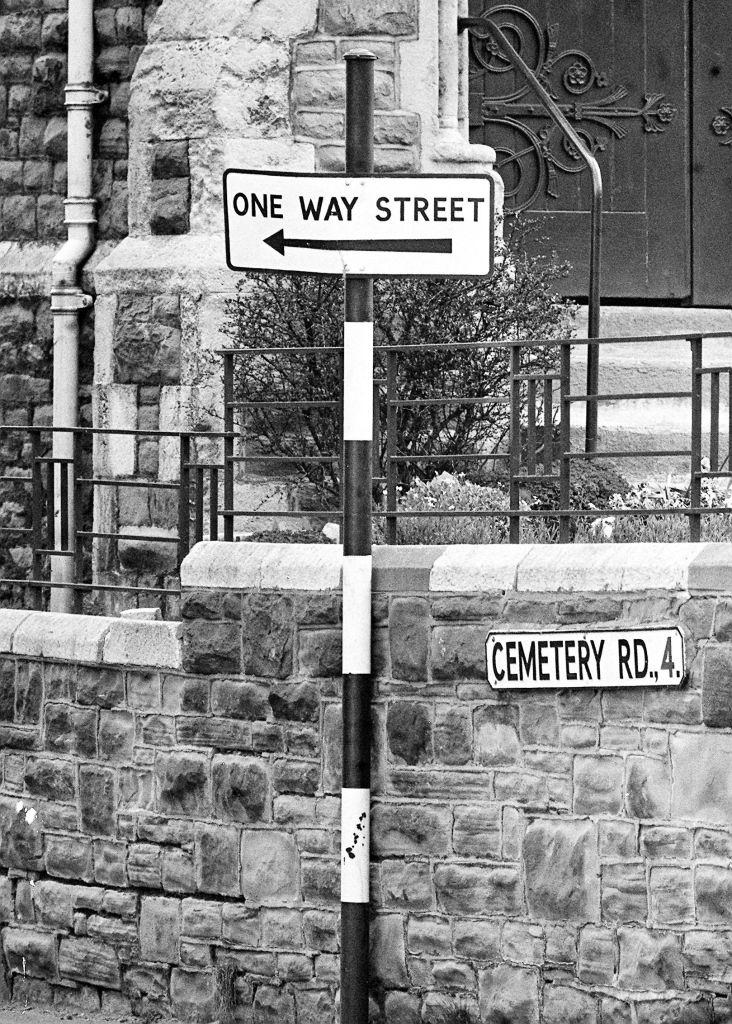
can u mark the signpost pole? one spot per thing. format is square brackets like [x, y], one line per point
[356, 484]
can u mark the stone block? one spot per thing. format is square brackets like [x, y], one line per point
[474, 889]
[104, 688]
[290, 776]
[708, 955]
[270, 867]
[566, 1005]
[170, 210]
[160, 929]
[220, 733]
[453, 735]
[409, 637]
[73, 638]
[618, 839]
[562, 870]
[406, 884]
[387, 952]
[702, 764]
[241, 790]
[50, 779]
[509, 994]
[598, 785]
[624, 892]
[144, 865]
[274, 1005]
[458, 652]
[267, 635]
[70, 730]
[672, 896]
[676, 1011]
[240, 926]
[110, 860]
[28, 694]
[408, 730]
[714, 895]
[496, 736]
[408, 829]
[179, 871]
[348, 18]
[477, 830]
[596, 956]
[319, 652]
[97, 800]
[182, 784]
[235, 698]
[295, 701]
[717, 687]
[116, 735]
[31, 953]
[647, 787]
[69, 857]
[133, 642]
[89, 961]
[217, 859]
[650, 961]
[211, 647]
[194, 996]
[170, 159]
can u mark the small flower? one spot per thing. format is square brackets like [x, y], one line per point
[578, 74]
[721, 124]
[666, 113]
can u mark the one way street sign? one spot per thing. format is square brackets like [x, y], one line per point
[417, 226]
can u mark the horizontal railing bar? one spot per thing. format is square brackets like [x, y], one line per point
[285, 403]
[127, 536]
[54, 552]
[122, 482]
[122, 432]
[273, 349]
[284, 458]
[450, 458]
[713, 369]
[16, 529]
[709, 474]
[627, 396]
[538, 376]
[412, 402]
[263, 513]
[91, 586]
[533, 477]
[202, 465]
[596, 513]
[668, 453]
[15, 479]
[48, 459]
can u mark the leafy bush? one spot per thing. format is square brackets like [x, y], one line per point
[270, 310]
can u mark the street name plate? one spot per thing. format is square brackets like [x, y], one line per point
[591, 658]
[416, 226]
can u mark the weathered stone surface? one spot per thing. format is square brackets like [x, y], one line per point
[649, 961]
[453, 735]
[477, 830]
[116, 735]
[468, 889]
[406, 884]
[182, 783]
[90, 961]
[240, 789]
[28, 694]
[596, 956]
[676, 1011]
[217, 859]
[71, 730]
[458, 652]
[211, 647]
[408, 731]
[296, 701]
[562, 870]
[672, 896]
[647, 787]
[50, 779]
[346, 17]
[409, 637]
[509, 994]
[388, 957]
[717, 687]
[170, 159]
[240, 926]
[234, 698]
[661, 843]
[97, 800]
[103, 687]
[708, 955]
[714, 895]
[624, 892]
[274, 1005]
[160, 929]
[30, 952]
[598, 785]
[193, 996]
[399, 829]
[270, 867]
[69, 857]
[267, 635]
[702, 765]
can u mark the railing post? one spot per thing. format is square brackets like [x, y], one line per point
[565, 485]
[548, 432]
[228, 446]
[531, 428]
[198, 505]
[36, 517]
[391, 446]
[78, 523]
[514, 462]
[714, 423]
[213, 516]
[184, 497]
[696, 438]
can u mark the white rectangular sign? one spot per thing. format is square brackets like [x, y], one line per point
[596, 658]
[417, 226]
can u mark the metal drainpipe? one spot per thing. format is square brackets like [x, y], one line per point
[67, 298]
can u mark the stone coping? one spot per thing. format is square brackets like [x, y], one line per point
[467, 568]
[93, 639]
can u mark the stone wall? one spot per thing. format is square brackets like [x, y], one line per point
[170, 800]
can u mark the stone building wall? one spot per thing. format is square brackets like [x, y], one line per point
[170, 796]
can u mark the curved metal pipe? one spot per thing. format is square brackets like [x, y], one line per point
[559, 118]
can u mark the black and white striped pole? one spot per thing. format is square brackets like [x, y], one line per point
[358, 354]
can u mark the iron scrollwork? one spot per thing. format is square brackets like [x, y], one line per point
[585, 94]
[722, 125]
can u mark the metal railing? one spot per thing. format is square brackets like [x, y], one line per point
[493, 30]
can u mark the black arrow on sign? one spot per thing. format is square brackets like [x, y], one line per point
[279, 243]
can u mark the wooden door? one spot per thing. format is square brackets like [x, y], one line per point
[712, 153]
[619, 70]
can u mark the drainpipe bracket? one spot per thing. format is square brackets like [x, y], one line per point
[80, 211]
[85, 95]
[69, 300]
